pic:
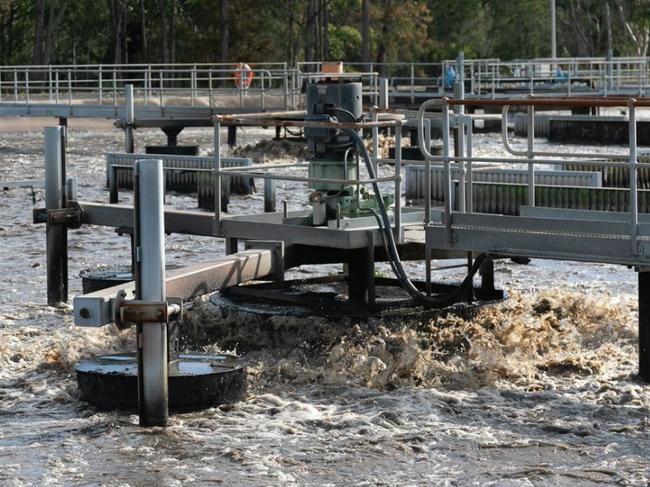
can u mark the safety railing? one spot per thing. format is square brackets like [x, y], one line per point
[161, 84]
[268, 172]
[280, 86]
[462, 162]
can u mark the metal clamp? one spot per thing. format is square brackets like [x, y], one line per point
[128, 312]
[69, 217]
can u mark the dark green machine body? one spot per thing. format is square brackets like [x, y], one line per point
[334, 153]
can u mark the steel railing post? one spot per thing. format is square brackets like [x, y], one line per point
[285, 81]
[49, 81]
[459, 138]
[398, 182]
[217, 176]
[114, 88]
[531, 155]
[447, 169]
[412, 83]
[129, 118]
[150, 286]
[27, 86]
[469, 206]
[210, 88]
[69, 87]
[193, 84]
[634, 210]
[101, 85]
[375, 139]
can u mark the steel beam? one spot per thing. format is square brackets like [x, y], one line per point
[97, 309]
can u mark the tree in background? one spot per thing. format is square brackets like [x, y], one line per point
[361, 31]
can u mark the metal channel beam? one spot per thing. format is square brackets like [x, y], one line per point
[142, 113]
[569, 245]
[97, 309]
[265, 226]
[604, 217]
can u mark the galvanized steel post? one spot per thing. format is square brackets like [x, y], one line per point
[217, 176]
[447, 170]
[398, 182]
[470, 174]
[459, 138]
[150, 286]
[383, 93]
[634, 210]
[531, 155]
[57, 235]
[129, 118]
[375, 139]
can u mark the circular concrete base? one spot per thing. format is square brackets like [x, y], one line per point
[196, 381]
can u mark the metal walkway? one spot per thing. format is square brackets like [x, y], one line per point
[199, 91]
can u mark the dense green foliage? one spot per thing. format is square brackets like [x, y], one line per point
[149, 31]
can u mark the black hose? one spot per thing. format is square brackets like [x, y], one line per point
[439, 301]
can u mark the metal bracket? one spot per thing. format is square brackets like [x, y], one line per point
[69, 217]
[128, 312]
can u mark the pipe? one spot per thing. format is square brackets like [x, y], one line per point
[150, 275]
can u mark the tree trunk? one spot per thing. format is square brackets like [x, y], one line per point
[325, 43]
[163, 31]
[309, 33]
[172, 34]
[116, 11]
[223, 31]
[608, 27]
[290, 44]
[39, 25]
[365, 34]
[143, 28]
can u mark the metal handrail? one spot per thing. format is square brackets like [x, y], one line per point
[529, 157]
[253, 171]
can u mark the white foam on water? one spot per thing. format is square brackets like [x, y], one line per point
[539, 390]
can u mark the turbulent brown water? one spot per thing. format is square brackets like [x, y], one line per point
[539, 390]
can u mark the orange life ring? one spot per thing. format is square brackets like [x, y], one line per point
[243, 75]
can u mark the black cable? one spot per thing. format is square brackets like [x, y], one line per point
[391, 247]
[347, 112]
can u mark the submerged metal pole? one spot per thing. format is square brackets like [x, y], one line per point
[129, 118]
[644, 325]
[150, 255]
[57, 235]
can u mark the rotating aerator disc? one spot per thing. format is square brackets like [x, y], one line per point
[196, 381]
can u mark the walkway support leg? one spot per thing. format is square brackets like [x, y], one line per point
[644, 325]
[57, 235]
[150, 286]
